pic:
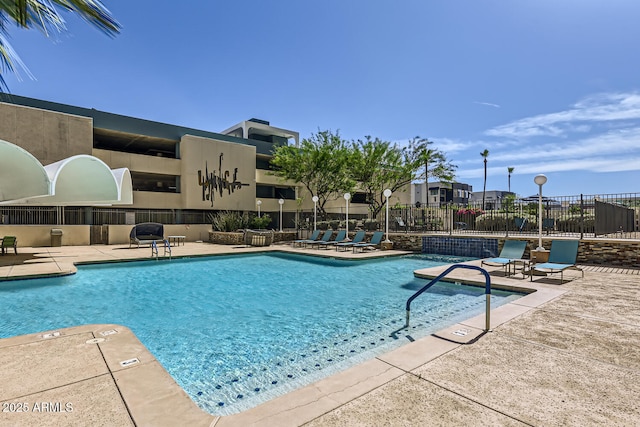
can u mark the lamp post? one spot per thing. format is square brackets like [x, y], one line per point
[281, 202]
[387, 194]
[259, 202]
[315, 212]
[540, 180]
[347, 196]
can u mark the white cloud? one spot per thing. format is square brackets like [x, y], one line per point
[488, 104]
[617, 150]
[596, 109]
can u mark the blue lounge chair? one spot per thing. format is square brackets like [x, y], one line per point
[511, 250]
[342, 234]
[521, 223]
[375, 241]
[312, 238]
[562, 256]
[325, 238]
[358, 238]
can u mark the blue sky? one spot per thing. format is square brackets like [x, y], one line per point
[546, 86]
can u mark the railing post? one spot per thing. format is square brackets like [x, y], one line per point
[442, 275]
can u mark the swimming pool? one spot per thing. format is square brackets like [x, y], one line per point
[235, 331]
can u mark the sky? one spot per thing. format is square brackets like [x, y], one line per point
[547, 86]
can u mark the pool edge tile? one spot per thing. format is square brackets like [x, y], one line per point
[305, 404]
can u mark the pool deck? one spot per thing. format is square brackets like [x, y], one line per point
[566, 354]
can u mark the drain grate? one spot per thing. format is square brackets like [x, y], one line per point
[129, 362]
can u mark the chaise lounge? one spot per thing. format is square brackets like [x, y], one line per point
[9, 242]
[562, 256]
[512, 250]
[146, 233]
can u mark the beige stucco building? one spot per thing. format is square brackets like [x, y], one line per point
[179, 175]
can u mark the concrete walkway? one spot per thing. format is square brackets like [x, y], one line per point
[565, 355]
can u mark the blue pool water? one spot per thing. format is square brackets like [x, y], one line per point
[235, 331]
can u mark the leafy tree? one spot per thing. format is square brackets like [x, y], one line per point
[484, 155]
[45, 16]
[319, 164]
[435, 161]
[377, 165]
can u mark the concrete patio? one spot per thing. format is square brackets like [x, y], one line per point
[564, 355]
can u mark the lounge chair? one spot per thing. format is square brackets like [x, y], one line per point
[375, 241]
[342, 234]
[562, 256]
[401, 224]
[511, 250]
[312, 238]
[358, 238]
[146, 233]
[325, 238]
[521, 223]
[9, 242]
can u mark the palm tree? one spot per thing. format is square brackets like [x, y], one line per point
[510, 170]
[45, 16]
[484, 155]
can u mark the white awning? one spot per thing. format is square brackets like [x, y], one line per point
[21, 174]
[80, 180]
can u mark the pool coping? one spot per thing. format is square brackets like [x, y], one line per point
[151, 395]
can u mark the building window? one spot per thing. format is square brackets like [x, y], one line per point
[273, 192]
[155, 182]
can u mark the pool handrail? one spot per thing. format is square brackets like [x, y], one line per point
[433, 281]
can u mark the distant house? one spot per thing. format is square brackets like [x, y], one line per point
[440, 193]
[493, 198]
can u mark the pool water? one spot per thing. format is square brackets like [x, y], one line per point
[235, 331]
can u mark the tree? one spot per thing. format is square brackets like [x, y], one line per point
[377, 165]
[319, 164]
[45, 16]
[484, 155]
[435, 161]
[510, 170]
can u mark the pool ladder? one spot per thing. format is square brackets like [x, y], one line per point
[487, 291]
[154, 248]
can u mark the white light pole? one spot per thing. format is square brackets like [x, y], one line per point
[540, 180]
[347, 196]
[315, 212]
[387, 194]
[281, 202]
[259, 202]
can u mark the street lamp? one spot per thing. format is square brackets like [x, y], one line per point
[259, 202]
[387, 194]
[315, 212]
[347, 196]
[281, 202]
[540, 180]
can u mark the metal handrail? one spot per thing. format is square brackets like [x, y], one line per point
[447, 271]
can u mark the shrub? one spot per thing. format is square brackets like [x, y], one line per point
[571, 224]
[323, 225]
[370, 224]
[228, 221]
[260, 223]
[334, 224]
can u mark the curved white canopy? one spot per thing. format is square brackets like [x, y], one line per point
[21, 174]
[78, 180]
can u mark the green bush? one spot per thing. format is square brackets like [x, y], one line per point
[370, 224]
[571, 224]
[260, 223]
[323, 225]
[334, 224]
[228, 221]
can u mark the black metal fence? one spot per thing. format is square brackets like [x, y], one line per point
[602, 215]
[609, 215]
